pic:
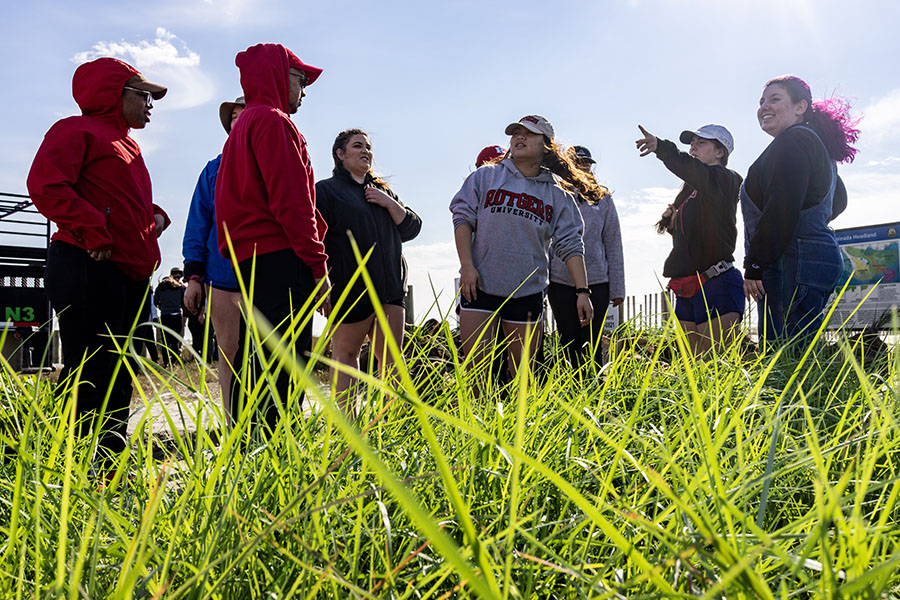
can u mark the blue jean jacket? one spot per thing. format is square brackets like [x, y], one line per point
[799, 284]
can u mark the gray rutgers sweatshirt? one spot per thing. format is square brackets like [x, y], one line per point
[513, 219]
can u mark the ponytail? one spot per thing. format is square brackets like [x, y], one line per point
[830, 118]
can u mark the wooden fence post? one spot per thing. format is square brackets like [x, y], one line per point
[410, 306]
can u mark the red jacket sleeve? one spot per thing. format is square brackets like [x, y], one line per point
[51, 185]
[157, 210]
[280, 155]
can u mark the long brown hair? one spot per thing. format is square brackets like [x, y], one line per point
[340, 143]
[562, 163]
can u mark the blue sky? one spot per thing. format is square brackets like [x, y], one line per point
[433, 83]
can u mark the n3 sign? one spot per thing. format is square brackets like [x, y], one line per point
[17, 314]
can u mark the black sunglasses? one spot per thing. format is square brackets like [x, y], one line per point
[148, 97]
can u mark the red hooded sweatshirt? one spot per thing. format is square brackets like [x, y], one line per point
[89, 177]
[265, 189]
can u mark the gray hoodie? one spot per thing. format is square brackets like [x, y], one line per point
[513, 219]
[602, 249]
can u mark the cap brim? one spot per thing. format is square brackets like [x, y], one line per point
[586, 159]
[312, 73]
[225, 110]
[156, 90]
[687, 135]
[529, 126]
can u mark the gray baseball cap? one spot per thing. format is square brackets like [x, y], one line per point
[533, 123]
[710, 132]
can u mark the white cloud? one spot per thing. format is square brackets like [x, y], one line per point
[434, 266]
[885, 162]
[166, 60]
[881, 120]
[644, 249]
[661, 196]
[872, 198]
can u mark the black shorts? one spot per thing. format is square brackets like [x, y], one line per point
[362, 310]
[527, 309]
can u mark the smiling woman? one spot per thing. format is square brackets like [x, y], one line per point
[357, 205]
[792, 192]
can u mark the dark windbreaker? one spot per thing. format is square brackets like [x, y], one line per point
[342, 202]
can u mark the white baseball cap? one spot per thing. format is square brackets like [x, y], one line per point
[710, 132]
[533, 123]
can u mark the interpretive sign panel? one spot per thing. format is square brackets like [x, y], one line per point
[872, 266]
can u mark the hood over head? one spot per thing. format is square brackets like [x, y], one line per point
[97, 87]
[264, 73]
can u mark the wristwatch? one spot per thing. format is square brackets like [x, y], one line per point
[583, 291]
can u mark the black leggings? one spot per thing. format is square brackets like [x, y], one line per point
[572, 336]
[90, 296]
[171, 347]
[281, 286]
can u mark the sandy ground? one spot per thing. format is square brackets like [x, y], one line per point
[155, 399]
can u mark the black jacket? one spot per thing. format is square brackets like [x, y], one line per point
[704, 227]
[792, 174]
[169, 297]
[341, 201]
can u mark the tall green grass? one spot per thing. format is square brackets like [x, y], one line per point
[641, 479]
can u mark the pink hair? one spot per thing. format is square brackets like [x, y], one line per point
[830, 118]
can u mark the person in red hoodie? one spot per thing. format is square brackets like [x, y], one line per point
[265, 205]
[89, 178]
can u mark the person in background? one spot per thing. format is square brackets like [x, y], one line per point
[266, 206]
[145, 333]
[605, 264]
[490, 154]
[703, 223]
[210, 276]
[169, 299]
[89, 179]
[792, 191]
[504, 217]
[355, 202]
[197, 325]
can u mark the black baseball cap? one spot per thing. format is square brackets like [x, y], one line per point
[583, 154]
